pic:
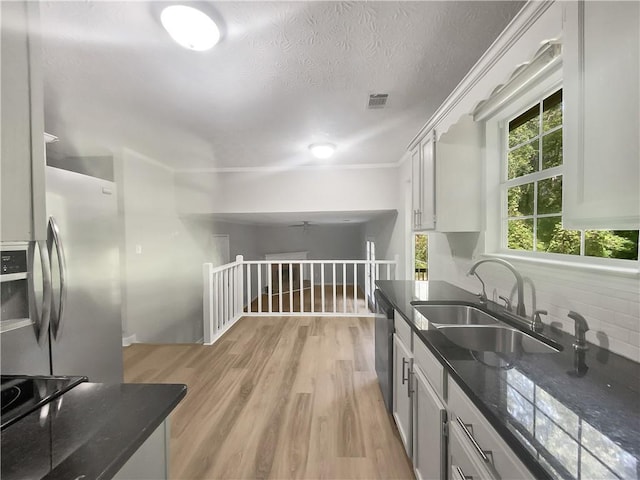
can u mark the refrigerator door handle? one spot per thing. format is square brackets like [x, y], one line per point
[53, 238]
[41, 321]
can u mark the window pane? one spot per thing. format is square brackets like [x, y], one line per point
[552, 111]
[552, 149]
[555, 440]
[620, 461]
[524, 160]
[520, 408]
[611, 244]
[550, 195]
[554, 239]
[524, 127]
[520, 235]
[520, 200]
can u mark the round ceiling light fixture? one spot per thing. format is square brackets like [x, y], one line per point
[322, 151]
[190, 27]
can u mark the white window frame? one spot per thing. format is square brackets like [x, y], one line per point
[496, 177]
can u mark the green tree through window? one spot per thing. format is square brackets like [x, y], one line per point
[533, 191]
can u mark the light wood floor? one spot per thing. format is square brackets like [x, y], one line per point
[348, 306]
[278, 397]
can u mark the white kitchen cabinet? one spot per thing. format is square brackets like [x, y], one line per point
[458, 184]
[151, 460]
[22, 163]
[402, 395]
[601, 64]
[429, 417]
[423, 184]
[484, 449]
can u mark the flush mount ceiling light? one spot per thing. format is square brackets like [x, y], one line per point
[322, 151]
[190, 27]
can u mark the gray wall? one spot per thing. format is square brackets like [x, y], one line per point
[161, 257]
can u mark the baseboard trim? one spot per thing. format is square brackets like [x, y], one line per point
[126, 341]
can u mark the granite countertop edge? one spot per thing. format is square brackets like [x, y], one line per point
[137, 433]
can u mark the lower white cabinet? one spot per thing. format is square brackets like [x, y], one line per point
[151, 460]
[402, 395]
[429, 443]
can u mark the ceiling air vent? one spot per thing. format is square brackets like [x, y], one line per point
[377, 100]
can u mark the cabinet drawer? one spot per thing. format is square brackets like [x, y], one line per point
[464, 463]
[429, 365]
[503, 459]
[403, 330]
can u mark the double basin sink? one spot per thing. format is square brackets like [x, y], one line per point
[473, 329]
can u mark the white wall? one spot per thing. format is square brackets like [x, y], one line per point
[162, 256]
[331, 189]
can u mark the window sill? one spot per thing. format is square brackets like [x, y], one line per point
[626, 272]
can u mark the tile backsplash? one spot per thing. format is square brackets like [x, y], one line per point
[609, 302]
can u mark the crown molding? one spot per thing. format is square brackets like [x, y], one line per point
[525, 18]
[288, 168]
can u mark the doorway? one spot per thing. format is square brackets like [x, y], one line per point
[421, 257]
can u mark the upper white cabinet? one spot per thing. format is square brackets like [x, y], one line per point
[447, 179]
[22, 166]
[458, 155]
[423, 184]
[601, 63]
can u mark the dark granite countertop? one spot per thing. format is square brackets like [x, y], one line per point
[89, 432]
[560, 425]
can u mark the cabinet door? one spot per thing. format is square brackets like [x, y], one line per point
[459, 177]
[427, 216]
[601, 63]
[22, 125]
[423, 184]
[416, 186]
[429, 417]
[402, 365]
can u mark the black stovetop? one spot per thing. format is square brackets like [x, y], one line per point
[21, 395]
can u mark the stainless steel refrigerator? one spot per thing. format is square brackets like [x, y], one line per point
[74, 283]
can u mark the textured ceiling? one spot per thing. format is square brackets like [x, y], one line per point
[286, 74]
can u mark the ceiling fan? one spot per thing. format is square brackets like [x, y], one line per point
[305, 225]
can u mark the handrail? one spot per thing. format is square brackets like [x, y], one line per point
[288, 288]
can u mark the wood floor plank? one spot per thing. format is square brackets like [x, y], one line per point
[279, 398]
[349, 433]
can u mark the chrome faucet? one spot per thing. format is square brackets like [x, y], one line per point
[581, 328]
[520, 308]
[580, 346]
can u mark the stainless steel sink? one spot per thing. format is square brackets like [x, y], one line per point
[455, 315]
[494, 338]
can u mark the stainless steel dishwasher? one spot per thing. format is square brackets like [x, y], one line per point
[384, 347]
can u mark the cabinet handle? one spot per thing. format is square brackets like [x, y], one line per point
[468, 433]
[409, 383]
[459, 474]
[404, 363]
